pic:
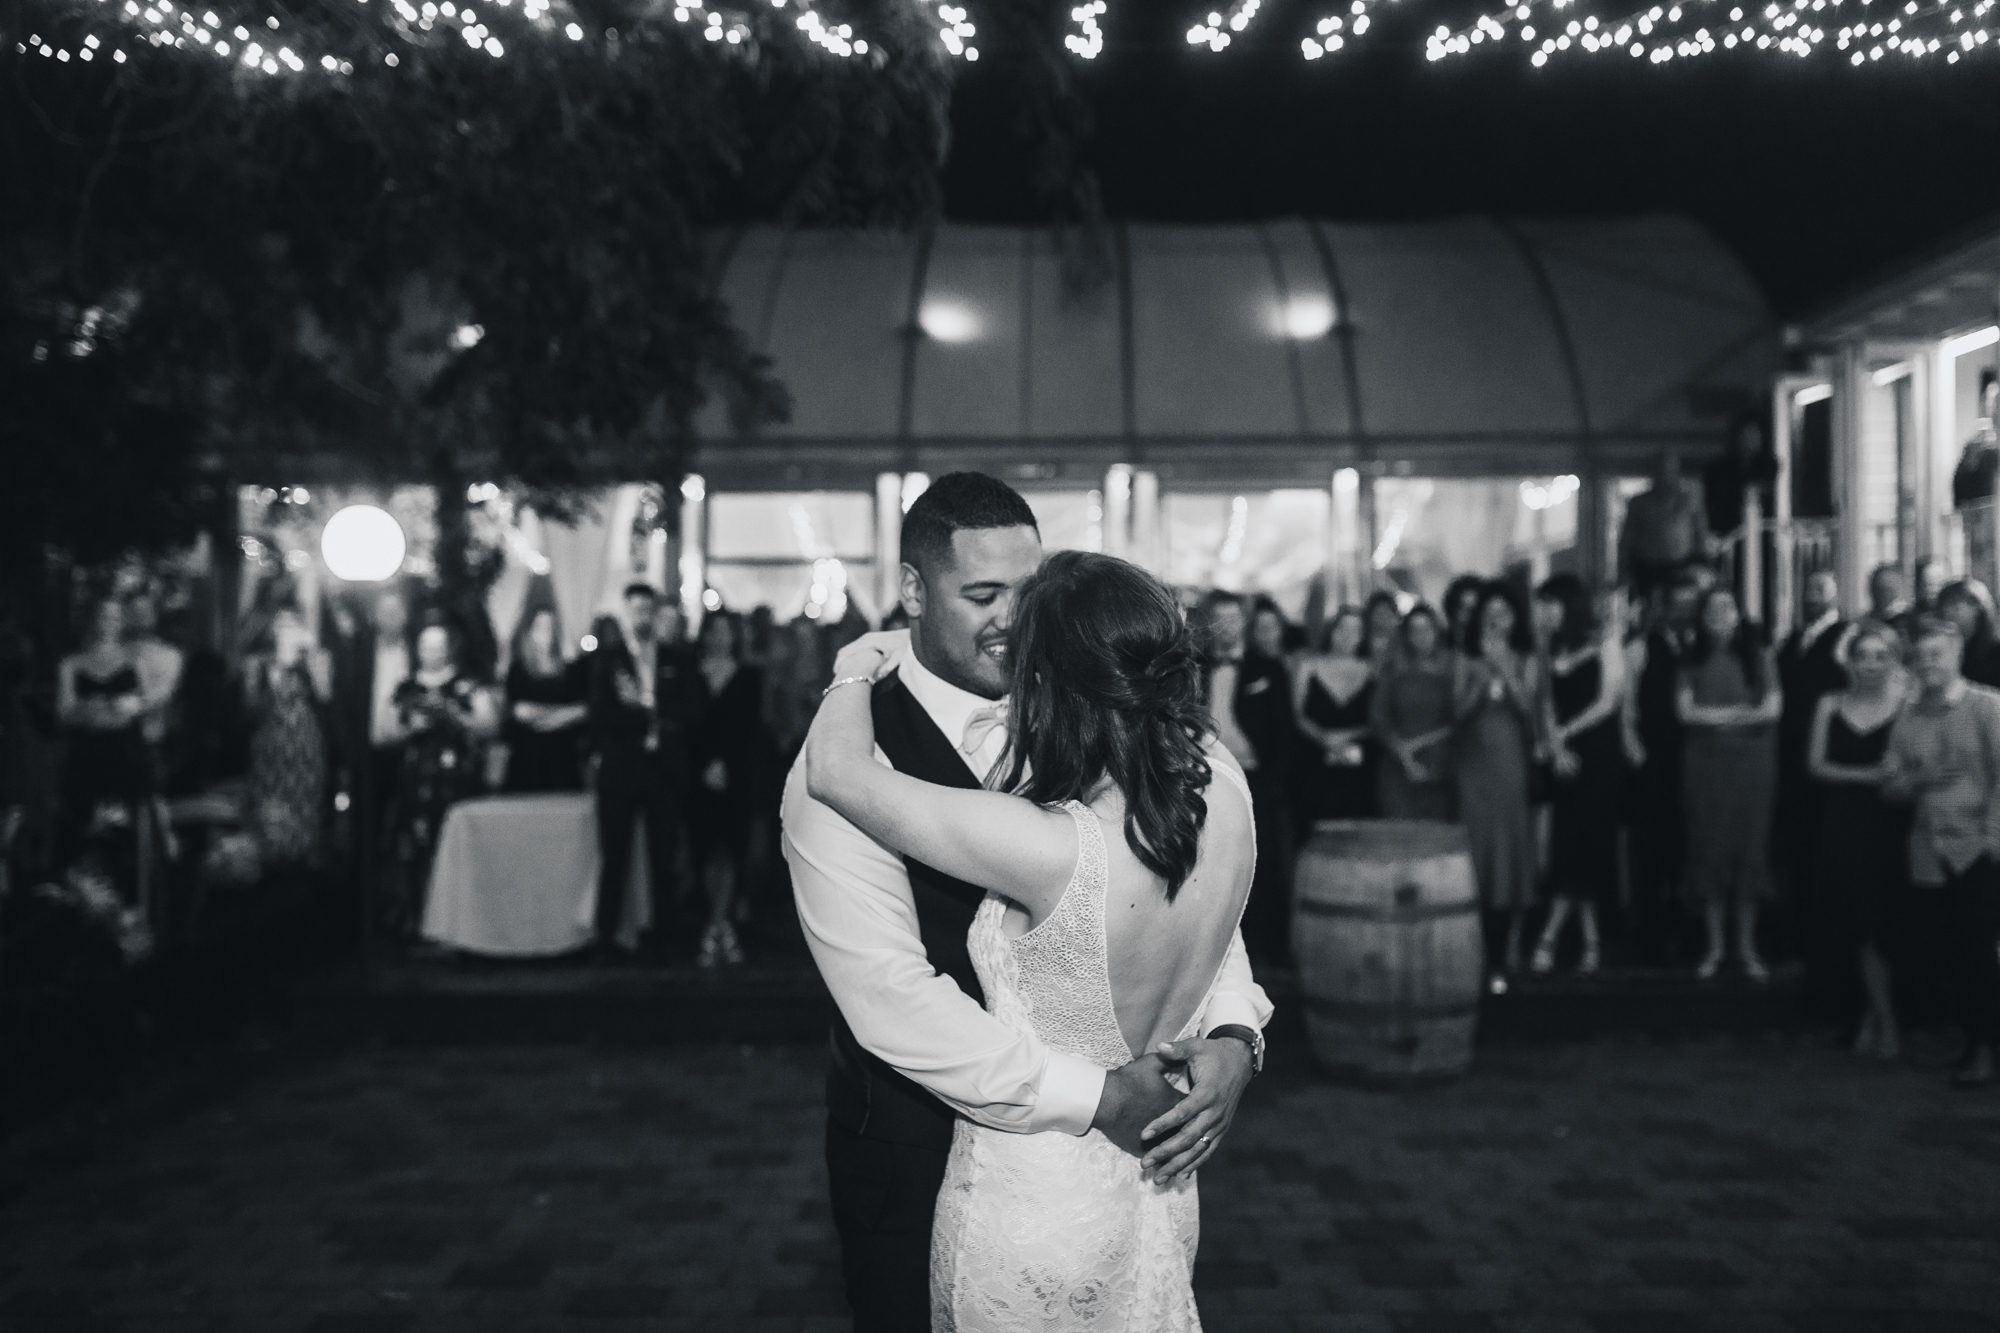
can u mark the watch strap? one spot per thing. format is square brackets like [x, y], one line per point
[1249, 1036]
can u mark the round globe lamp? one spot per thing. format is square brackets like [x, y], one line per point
[363, 544]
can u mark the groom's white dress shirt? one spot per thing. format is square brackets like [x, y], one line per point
[860, 920]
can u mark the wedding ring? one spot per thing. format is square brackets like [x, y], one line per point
[1202, 1139]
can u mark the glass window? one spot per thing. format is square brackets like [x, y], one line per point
[1262, 541]
[1429, 530]
[797, 552]
[1069, 520]
[792, 525]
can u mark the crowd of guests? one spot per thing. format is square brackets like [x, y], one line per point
[1653, 769]
[342, 742]
[1649, 771]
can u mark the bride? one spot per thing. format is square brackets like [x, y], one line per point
[1114, 887]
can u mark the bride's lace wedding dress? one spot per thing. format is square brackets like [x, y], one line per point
[1051, 1231]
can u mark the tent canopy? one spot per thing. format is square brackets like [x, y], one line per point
[1240, 354]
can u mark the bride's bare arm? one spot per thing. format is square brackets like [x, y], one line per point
[999, 842]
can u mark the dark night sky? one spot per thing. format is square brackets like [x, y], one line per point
[1815, 172]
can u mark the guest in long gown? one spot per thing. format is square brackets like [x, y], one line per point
[444, 714]
[1729, 701]
[1411, 719]
[1861, 856]
[1967, 604]
[288, 685]
[735, 776]
[1497, 704]
[1333, 693]
[543, 721]
[1654, 741]
[1584, 702]
[101, 705]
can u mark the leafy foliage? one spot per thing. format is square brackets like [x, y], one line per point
[289, 258]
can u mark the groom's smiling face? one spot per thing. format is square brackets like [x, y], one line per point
[960, 607]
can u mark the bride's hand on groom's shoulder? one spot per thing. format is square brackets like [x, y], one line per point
[872, 656]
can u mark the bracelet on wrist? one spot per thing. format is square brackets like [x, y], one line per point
[845, 680]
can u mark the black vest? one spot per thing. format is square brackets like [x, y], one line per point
[1804, 678]
[1659, 713]
[864, 1095]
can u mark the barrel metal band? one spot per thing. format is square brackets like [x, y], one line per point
[1377, 1010]
[1388, 915]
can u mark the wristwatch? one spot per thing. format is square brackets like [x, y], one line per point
[1249, 1036]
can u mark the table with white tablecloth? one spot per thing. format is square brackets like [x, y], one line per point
[516, 876]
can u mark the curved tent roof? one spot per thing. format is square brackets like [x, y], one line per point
[1243, 353]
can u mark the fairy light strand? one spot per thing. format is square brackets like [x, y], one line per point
[1215, 34]
[1801, 29]
[1088, 39]
[258, 45]
[1334, 31]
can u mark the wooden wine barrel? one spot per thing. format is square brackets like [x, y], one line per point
[1385, 924]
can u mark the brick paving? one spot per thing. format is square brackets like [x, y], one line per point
[1628, 1186]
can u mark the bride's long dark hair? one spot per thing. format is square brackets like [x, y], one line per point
[1107, 683]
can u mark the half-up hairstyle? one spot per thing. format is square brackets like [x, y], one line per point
[1107, 684]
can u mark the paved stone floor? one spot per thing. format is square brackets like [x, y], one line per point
[1739, 1183]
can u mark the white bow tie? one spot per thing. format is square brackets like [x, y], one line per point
[982, 724]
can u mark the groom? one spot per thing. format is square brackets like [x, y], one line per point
[912, 1046]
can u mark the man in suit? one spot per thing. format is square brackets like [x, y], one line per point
[638, 726]
[1250, 698]
[1810, 665]
[913, 1047]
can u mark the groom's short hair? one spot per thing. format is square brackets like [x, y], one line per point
[953, 503]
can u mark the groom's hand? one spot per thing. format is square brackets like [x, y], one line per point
[1135, 1095]
[1218, 1071]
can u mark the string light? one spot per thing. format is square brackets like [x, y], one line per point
[955, 31]
[161, 24]
[1088, 39]
[1215, 33]
[1662, 33]
[1335, 30]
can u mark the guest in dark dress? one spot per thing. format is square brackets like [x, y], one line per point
[444, 714]
[1584, 701]
[289, 683]
[1862, 850]
[1333, 693]
[1729, 701]
[1411, 720]
[1654, 741]
[101, 706]
[1967, 604]
[735, 772]
[543, 724]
